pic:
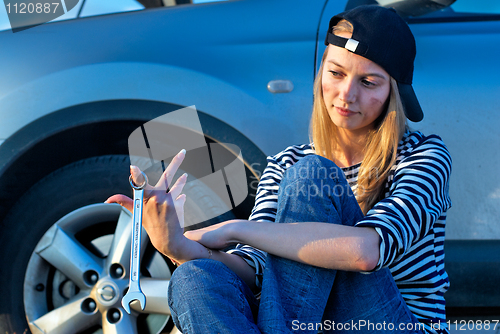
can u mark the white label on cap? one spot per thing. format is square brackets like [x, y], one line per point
[351, 45]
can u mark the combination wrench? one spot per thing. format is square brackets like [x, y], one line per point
[134, 290]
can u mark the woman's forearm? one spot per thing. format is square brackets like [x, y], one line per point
[319, 244]
[193, 250]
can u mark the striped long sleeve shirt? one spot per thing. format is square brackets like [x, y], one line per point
[410, 220]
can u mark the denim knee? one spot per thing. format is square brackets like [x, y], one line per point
[314, 167]
[193, 275]
[204, 291]
[314, 176]
[187, 285]
[315, 189]
[200, 277]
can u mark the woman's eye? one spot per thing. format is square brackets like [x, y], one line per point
[368, 83]
[335, 74]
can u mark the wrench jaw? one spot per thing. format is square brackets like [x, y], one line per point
[130, 297]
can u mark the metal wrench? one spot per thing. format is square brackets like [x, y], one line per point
[134, 289]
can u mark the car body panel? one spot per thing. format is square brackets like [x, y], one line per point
[160, 72]
[455, 80]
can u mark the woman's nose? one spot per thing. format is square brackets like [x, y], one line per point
[348, 91]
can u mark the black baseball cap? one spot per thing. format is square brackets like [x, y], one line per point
[382, 36]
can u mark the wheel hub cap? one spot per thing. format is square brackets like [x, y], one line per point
[107, 293]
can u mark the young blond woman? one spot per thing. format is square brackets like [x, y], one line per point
[347, 233]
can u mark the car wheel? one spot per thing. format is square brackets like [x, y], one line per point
[65, 256]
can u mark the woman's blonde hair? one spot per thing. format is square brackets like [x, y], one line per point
[380, 151]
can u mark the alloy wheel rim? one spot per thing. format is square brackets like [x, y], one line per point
[74, 285]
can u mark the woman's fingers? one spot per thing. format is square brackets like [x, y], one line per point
[177, 188]
[137, 176]
[215, 236]
[168, 175]
[174, 200]
[123, 200]
[166, 178]
[179, 209]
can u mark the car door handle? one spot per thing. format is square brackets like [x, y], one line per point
[280, 86]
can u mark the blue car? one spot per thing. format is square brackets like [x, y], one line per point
[72, 91]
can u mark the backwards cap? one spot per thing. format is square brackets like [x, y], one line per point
[382, 36]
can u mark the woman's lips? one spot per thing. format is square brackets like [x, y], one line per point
[345, 112]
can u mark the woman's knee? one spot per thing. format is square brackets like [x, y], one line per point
[193, 280]
[314, 167]
[314, 176]
[201, 277]
[315, 189]
[196, 274]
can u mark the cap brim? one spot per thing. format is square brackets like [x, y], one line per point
[413, 111]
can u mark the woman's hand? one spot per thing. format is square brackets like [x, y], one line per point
[163, 212]
[216, 236]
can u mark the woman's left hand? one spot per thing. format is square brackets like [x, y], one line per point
[217, 236]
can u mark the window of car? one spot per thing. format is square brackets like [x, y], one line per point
[86, 8]
[427, 11]
[463, 10]
[99, 7]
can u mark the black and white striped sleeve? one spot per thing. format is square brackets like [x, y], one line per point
[418, 197]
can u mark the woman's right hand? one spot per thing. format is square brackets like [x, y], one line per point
[163, 212]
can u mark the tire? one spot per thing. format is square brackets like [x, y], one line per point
[39, 278]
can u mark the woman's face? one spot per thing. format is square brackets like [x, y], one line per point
[355, 89]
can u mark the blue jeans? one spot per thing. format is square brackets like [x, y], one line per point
[207, 297]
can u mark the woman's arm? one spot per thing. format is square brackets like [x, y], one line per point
[183, 249]
[318, 244]
[191, 250]
[415, 209]
[163, 216]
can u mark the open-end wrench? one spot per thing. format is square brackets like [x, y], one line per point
[134, 289]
